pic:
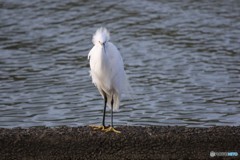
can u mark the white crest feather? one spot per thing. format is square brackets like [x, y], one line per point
[102, 35]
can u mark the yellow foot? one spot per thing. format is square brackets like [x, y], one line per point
[96, 127]
[105, 129]
[111, 129]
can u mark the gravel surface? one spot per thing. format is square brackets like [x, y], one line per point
[134, 142]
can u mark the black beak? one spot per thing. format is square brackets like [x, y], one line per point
[104, 50]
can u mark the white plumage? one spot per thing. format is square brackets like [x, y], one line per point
[107, 69]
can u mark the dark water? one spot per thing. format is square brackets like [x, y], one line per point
[182, 59]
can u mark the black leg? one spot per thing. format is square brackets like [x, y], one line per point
[104, 110]
[112, 112]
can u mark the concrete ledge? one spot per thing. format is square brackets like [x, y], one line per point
[135, 142]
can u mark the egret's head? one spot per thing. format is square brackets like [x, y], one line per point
[101, 36]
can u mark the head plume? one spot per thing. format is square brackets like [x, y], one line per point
[101, 36]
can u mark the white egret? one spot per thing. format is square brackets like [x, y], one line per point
[107, 72]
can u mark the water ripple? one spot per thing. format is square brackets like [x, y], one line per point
[182, 59]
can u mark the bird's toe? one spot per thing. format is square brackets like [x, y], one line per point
[111, 129]
[97, 127]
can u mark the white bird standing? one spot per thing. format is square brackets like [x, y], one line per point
[107, 72]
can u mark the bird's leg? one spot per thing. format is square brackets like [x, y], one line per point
[103, 127]
[104, 110]
[111, 129]
[112, 112]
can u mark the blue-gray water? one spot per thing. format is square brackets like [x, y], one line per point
[182, 59]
